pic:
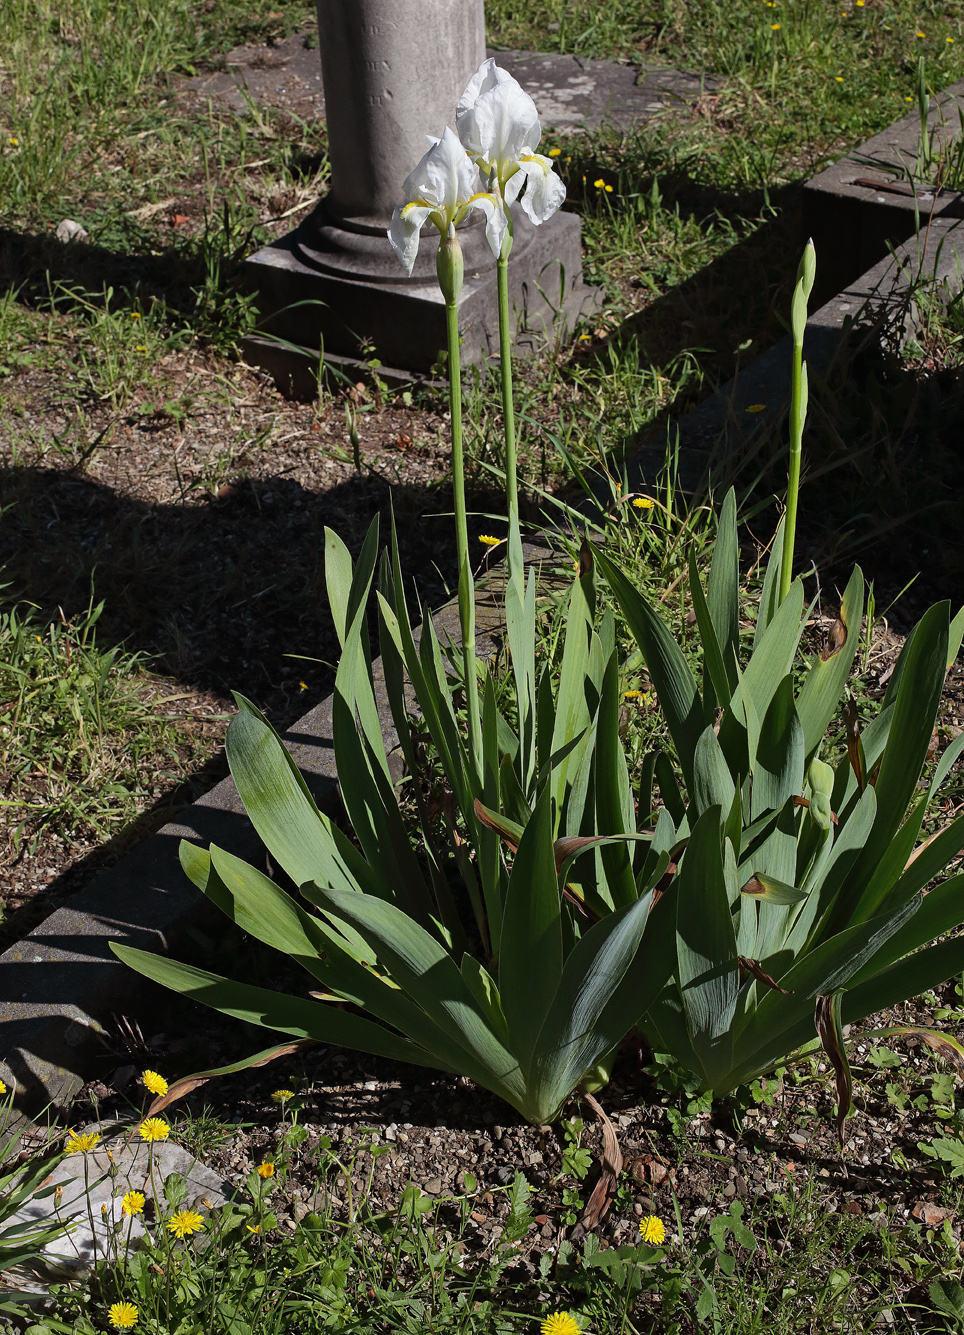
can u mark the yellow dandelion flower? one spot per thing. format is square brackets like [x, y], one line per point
[185, 1222]
[266, 1169]
[154, 1128]
[908, 99]
[948, 39]
[132, 1203]
[283, 1095]
[140, 348]
[560, 1323]
[152, 1081]
[122, 1316]
[755, 407]
[631, 695]
[775, 27]
[582, 338]
[554, 152]
[135, 315]
[859, 3]
[921, 34]
[488, 541]
[253, 1228]
[599, 183]
[302, 686]
[609, 189]
[3, 1087]
[81, 1144]
[652, 1230]
[13, 141]
[839, 78]
[643, 503]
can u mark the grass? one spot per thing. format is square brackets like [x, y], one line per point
[85, 744]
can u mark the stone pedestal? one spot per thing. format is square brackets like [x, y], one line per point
[393, 72]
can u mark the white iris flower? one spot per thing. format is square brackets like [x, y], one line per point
[442, 189]
[499, 125]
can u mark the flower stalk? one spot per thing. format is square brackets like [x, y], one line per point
[450, 268]
[798, 408]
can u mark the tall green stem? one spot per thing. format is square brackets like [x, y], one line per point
[798, 409]
[466, 582]
[505, 360]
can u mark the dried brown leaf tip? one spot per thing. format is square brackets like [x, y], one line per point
[755, 969]
[835, 640]
[585, 558]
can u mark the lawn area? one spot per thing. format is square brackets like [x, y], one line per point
[164, 518]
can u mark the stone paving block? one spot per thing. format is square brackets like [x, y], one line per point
[95, 1182]
[722, 422]
[864, 204]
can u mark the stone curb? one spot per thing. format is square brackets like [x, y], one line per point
[724, 422]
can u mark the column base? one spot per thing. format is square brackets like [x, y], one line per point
[315, 296]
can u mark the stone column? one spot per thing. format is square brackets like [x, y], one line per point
[393, 72]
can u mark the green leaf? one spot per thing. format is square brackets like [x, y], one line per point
[779, 763]
[941, 911]
[610, 978]
[372, 807]
[275, 1010]
[772, 658]
[905, 979]
[425, 971]
[911, 727]
[298, 836]
[678, 697]
[825, 681]
[530, 960]
[770, 595]
[614, 803]
[707, 969]
[723, 589]
[712, 782]
[712, 653]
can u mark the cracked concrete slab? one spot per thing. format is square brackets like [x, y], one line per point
[572, 93]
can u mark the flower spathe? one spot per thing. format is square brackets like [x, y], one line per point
[442, 189]
[498, 123]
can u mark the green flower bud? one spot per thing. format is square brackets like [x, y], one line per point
[820, 810]
[820, 777]
[450, 267]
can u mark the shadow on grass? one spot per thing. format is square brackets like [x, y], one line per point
[228, 594]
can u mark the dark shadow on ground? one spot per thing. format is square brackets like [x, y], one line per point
[224, 595]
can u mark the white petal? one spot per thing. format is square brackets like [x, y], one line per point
[544, 191]
[495, 223]
[487, 76]
[450, 176]
[407, 223]
[497, 121]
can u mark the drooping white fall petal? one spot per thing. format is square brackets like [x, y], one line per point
[442, 189]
